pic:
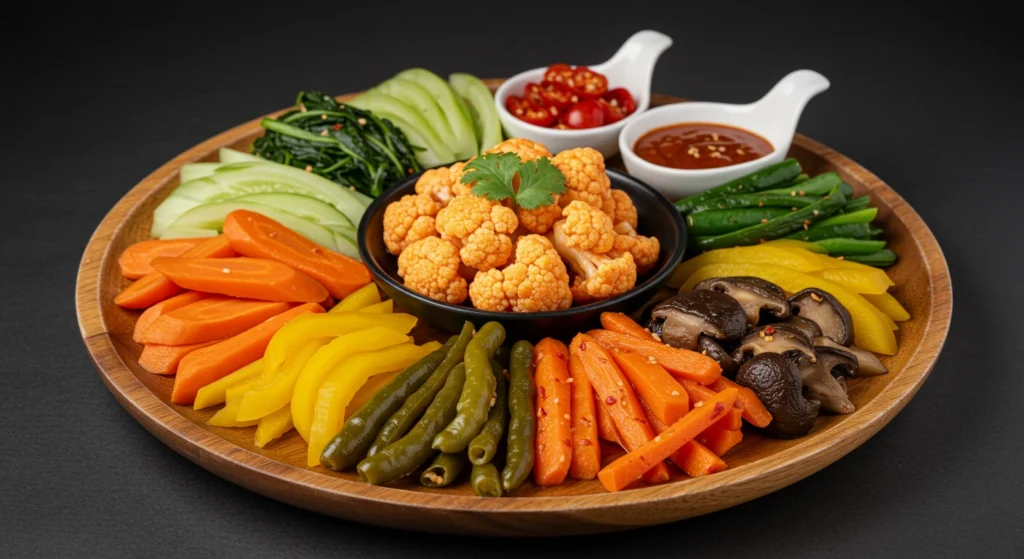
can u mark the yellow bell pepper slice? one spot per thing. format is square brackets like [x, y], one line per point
[371, 387]
[337, 390]
[273, 426]
[858, 281]
[216, 392]
[870, 327]
[757, 254]
[271, 394]
[383, 307]
[228, 416]
[289, 338]
[326, 360]
[890, 306]
[362, 297]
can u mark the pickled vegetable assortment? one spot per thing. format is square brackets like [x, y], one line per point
[571, 97]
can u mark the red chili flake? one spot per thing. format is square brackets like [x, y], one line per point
[602, 359]
[586, 442]
[585, 421]
[543, 412]
[640, 420]
[560, 355]
[337, 127]
[567, 442]
[610, 400]
[583, 345]
[769, 330]
[719, 408]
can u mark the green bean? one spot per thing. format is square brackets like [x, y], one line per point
[859, 216]
[855, 204]
[716, 222]
[850, 247]
[817, 233]
[402, 420]
[521, 429]
[349, 446]
[875, 232]
[403, 456]
[443, 470]
[477, 393]
[502, 354]
[771, 176]
[880, 259]
[483, 447]
[755, 200]
[484, 479]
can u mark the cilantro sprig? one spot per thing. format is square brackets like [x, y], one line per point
[494, 174]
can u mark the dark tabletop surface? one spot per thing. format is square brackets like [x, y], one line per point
[96, 99]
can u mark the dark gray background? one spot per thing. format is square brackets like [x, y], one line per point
[95, 99]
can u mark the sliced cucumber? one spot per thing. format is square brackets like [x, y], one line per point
[211, 217]
[193, 171]
[409, 120]
[480, 103]
[459, 121]
[228, 155]
[425, 156]
[418, 99]
[306, 207]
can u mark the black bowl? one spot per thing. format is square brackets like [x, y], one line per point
[658, 218]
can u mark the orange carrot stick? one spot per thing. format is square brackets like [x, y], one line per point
[605, 424]
[656, 387]
[213, 318]
[155, 287]
[209, 364]
[164, 359]
[697, 392]
[753, 410]
[149, 316]
[622, 324]
[586, 448]
[135, 260]
[615, 395]
[720, 440]
[251, 278]
[680, 362]
[735, 420]
[554, 408]
[632, 466]
[258, 236]
[693, 458]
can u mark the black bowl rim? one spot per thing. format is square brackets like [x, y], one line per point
[653, 281]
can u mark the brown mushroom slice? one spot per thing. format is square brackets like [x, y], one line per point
[829, 314]
[775, 338]
[754, 295]
[776, 381]
[821, 385]
[868, 364]
[809, 327]
[837, 360]
[708, 346]
[681, 319]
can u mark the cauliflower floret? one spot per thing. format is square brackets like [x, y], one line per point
[481, 229]
[528, 150]
[645, 250]
[598, 276]
[537, 281]
[620, 207]
[430, 267]
[585, 176]
[587, 228]
[443, 183]
[408, 220]
[539, 220]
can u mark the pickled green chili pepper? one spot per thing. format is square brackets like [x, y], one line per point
[477, 393]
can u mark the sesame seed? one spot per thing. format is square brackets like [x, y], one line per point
[226, 270]
[566, 416]
[840, 258]
[698, 404]
[361, 121]
[739, 151]
[619, 383]
[323, 117]
[570, 380]
[675, 392]
[556, 399]
[657, 439]
[792, 193]
[816, 212]
[309, 168]
[323, 132]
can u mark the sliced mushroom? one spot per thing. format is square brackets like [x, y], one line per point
[821, 385]
[867, 363]
[808, 327]
[775, 338]
[829, 314]
[837, 360]
[753, 294]
[708, 346]
[776, 382]
[682, 318]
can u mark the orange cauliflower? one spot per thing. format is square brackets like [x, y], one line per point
[430, 267]
[539, 220]
[537, 281]
[587, 228]
[585, 176]
[408, 220]
[481, 229]
[443, 183]
[645, 250]
[598, 276]
[620, 207]
[528, 150]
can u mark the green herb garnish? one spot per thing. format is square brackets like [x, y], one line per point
[494, 174]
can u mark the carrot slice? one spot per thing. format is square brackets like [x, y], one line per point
[586, 448]
[213, 318]
[621, 323]
[605, 424]
[656, 387]
[615, 395]
[164, 359]
[753, 410]
[149, 316]
[209, 364]
[258, 236]
[735, 419]
[250, 278]
[554, 406]
[697, 392]
[135, 260]
[680, 362]
[720, 440]
[693, 458]
[155, 287]
[632, 466]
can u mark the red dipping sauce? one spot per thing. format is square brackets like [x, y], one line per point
[700, 145]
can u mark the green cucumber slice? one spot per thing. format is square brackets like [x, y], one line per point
[306, 207]
[228, 155]
[193, 171]
[409, 120]
[211, 217]
[478, 100]
[459, 121]
[418, 99]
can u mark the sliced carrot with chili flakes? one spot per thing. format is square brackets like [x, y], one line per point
[605, 424]
[201, 367]
[155, 287]
[662, 393]
[621, 323]
[258, 236]
[249, 278]
[149, 316]
[632, 466]
[135, 260]
[586, 448]
[164, 359]
[680, 362]
[615, 395]
[554, 407]
[753, 410]
[697, 392]
[693, 458]
[213, 318]
[720, 440]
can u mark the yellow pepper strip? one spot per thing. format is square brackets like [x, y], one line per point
[326, 360]
[757, 254]
[371, 387]
[794, 243]
[215, 392]
[228, 416]
[858, 281]
[237, 391]
[289, 338]
[384, 307]
[870, 327]
[890, 306]
[833, 262]
[337, 391]
[362, 297]
[273, 426]
[271, 394]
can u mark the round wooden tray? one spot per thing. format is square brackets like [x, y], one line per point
[758, 465]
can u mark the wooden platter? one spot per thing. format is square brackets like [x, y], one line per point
[758, 465]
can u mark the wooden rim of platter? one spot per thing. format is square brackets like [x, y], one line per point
[559, 512]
